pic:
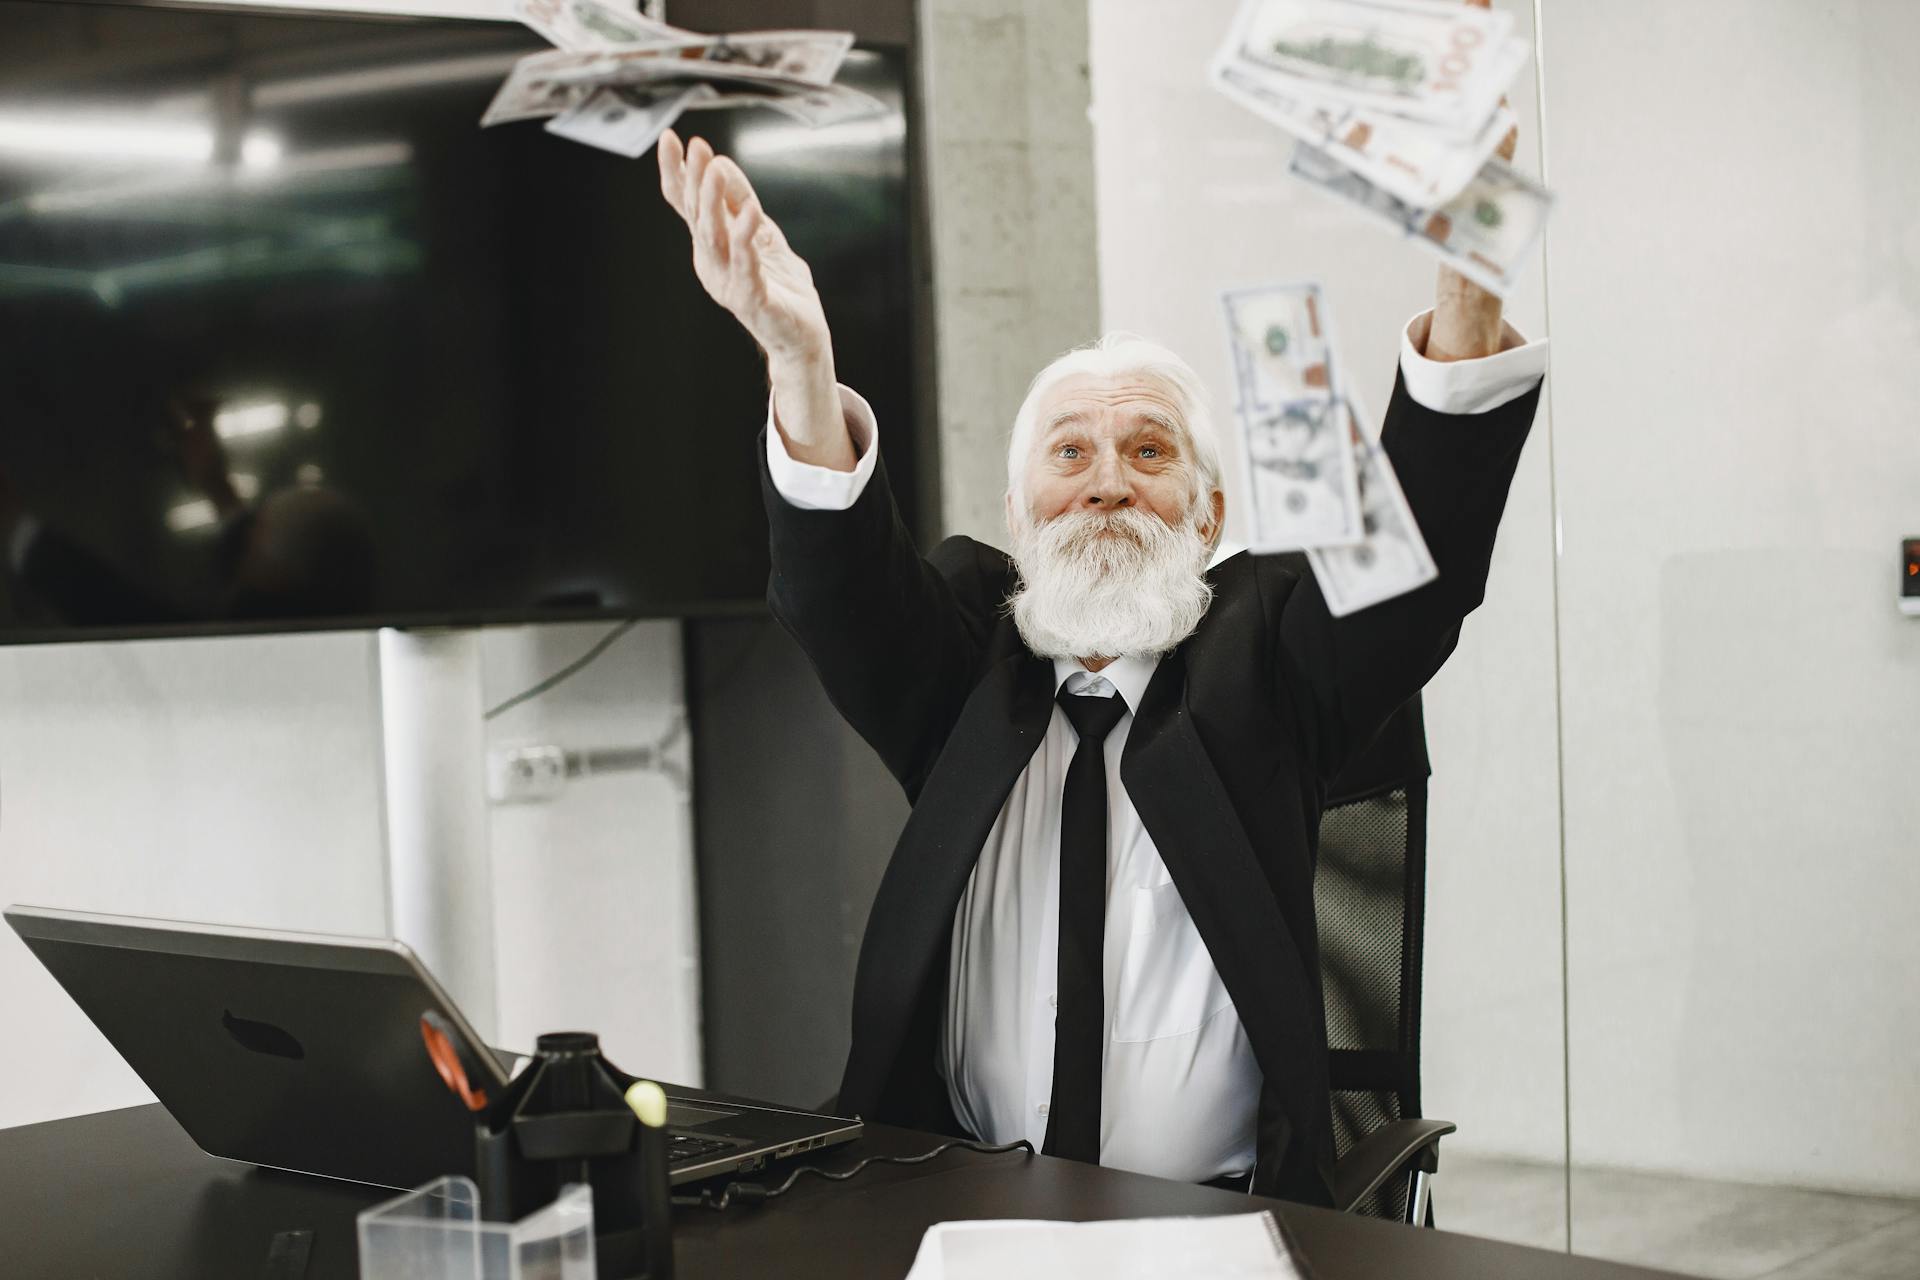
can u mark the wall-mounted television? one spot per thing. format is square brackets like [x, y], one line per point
[287, 341]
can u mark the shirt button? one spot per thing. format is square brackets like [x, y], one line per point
[1053, 1002]
[1042, 1108]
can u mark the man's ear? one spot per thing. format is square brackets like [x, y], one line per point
[1218, 524]
[1013, 529]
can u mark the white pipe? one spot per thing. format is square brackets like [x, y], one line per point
[439, 862]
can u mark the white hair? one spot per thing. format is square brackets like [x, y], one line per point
[1117, 354]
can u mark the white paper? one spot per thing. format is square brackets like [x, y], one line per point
[1245, 1246]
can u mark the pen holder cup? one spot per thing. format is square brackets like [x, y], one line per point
[564, 1121]
[436, 1232]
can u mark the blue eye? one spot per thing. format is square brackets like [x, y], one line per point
[1069, 451]
[1149, 451]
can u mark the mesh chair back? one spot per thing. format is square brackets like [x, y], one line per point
[1369, 897]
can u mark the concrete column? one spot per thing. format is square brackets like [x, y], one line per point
[1010, 175]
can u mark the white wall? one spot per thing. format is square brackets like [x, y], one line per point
[234, 780]
[1735, 275]
[1193, 199]
[593, 892]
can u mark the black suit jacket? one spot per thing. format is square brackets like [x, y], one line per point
[1232, 749]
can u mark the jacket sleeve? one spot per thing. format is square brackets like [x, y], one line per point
[1349, 674]
[896, 639]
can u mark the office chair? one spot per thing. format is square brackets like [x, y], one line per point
[1369, 896]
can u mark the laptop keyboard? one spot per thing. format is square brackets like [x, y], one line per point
[683, 1147]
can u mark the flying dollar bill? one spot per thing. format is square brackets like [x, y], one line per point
[1302, 483]
[593, 24]
[590, 24]
[545, 84]
[663, 70]
[1392, 557]
[523, 95]
[1282, 349]
[1419, 165]
[810, 56]
[623, 121]
[1436, 61]
[725, 67]
[1486, 233]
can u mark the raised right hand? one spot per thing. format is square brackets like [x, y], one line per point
[746, 265]
[740, 255]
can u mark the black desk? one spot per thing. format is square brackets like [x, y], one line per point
[125, 1195]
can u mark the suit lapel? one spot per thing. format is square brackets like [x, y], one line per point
[1185, 808]
[1000, 727]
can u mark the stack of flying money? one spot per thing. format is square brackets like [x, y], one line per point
[618, 80]
[1398, 107]
[1315, 480]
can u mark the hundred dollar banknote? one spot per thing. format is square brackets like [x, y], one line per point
[524, 95]
[593, 24]
[624, 121]
[732, 67]
[590, 24]
[1486, 233]
[1436, 61]
[1391, 558]
[1412, 162]
[1302, 482]
[545, 84]
[810, 56]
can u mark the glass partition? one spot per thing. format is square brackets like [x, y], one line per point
[1734, 294]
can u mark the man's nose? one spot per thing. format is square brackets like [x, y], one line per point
[1109, 484]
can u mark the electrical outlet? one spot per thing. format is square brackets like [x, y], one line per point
[526, 775]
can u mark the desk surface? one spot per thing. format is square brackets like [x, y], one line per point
[125, 1195]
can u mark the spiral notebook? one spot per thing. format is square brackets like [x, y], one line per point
[1243, 1246]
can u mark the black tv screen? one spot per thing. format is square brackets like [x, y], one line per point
[288, 341]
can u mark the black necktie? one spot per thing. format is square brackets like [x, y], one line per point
[1079, 1023]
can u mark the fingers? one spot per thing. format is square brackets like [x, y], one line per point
[699, 156]
[713, 195]
[741, 226]
[735, 187]
[710, 224]
[673, 161]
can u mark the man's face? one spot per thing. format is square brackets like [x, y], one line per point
[1105, 444]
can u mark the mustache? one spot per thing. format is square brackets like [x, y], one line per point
[1076, 531]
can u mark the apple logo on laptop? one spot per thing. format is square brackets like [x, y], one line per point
[261, 1037]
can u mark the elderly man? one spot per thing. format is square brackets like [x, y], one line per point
[1097, 930]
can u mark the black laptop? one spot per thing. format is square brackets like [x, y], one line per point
[303, 1051]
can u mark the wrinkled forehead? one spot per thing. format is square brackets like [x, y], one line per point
[1117, 402]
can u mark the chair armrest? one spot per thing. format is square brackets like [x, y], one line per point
[1384, 1152]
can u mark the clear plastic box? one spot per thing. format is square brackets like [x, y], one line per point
[435, 1232]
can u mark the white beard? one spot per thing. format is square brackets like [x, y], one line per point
[1140, 589]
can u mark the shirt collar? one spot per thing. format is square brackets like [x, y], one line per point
[1129, 676]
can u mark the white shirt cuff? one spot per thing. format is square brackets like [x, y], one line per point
[1469, 386]
[814, 488]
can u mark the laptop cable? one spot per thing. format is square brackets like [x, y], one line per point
[755, 1193]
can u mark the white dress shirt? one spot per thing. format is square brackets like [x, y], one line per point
[1180, 1083]
[1180, 1086]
